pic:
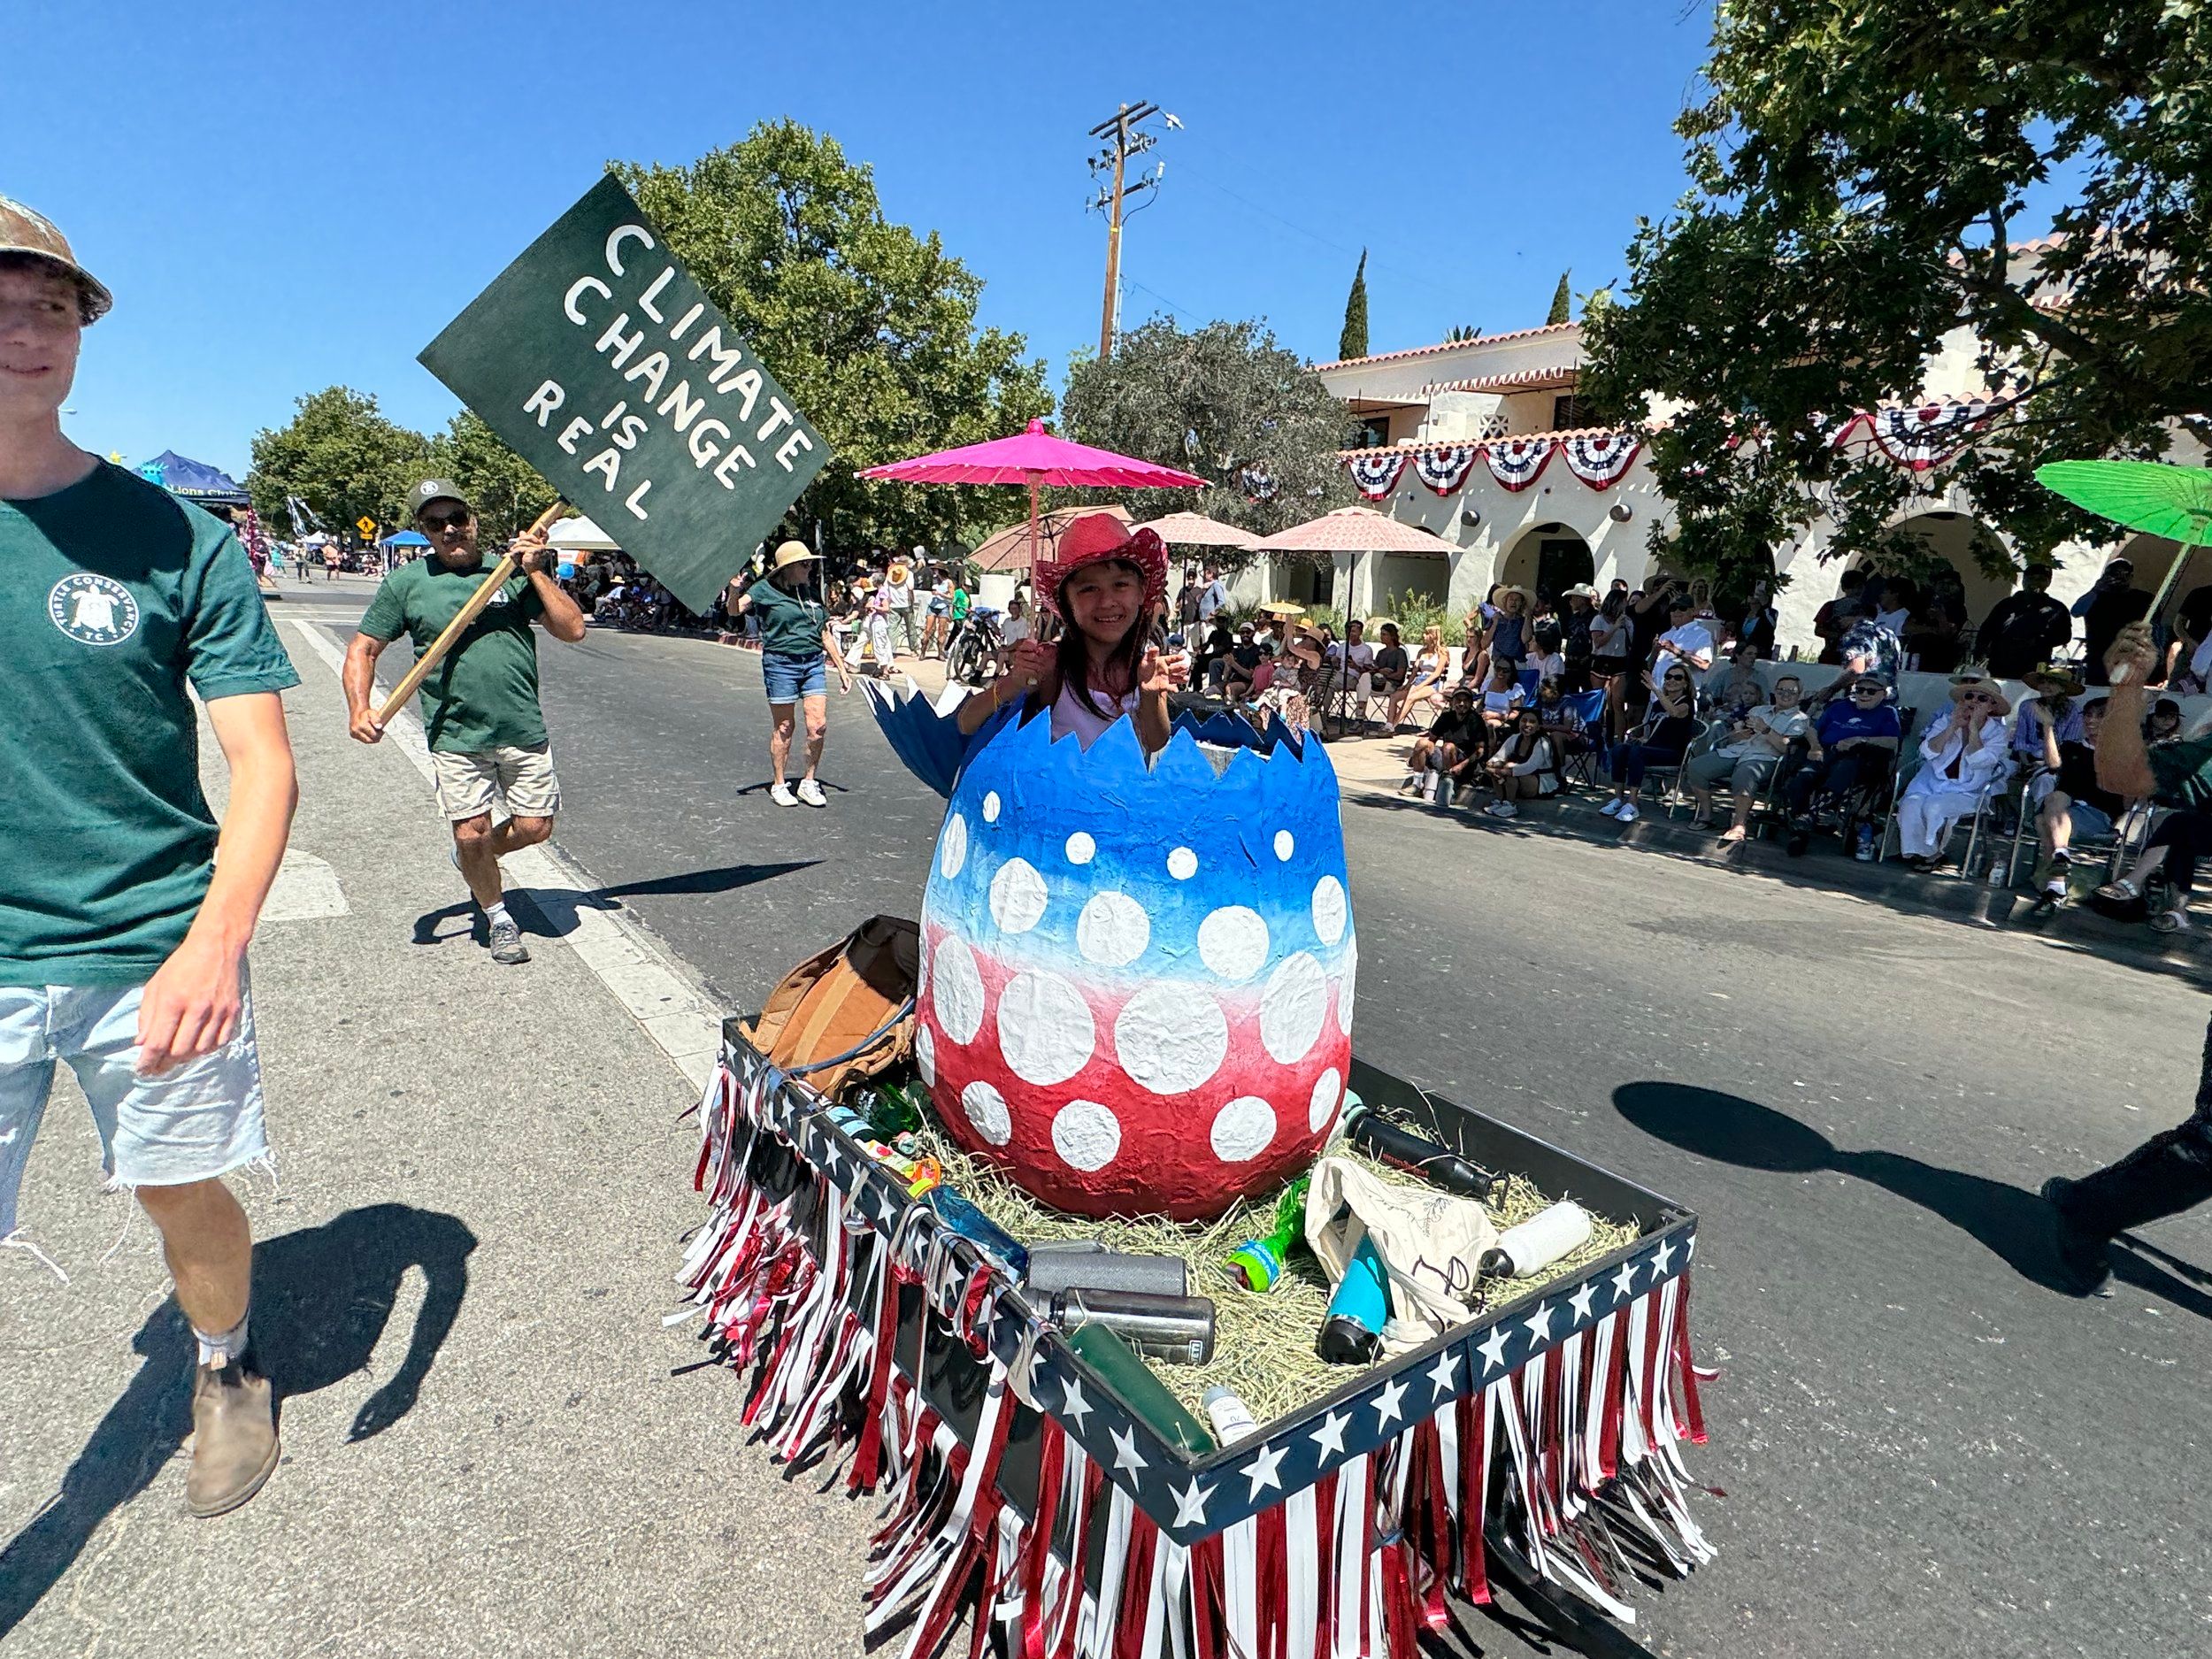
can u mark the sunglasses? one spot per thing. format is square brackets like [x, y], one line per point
[445, 521]
[1977, 697]
[1866, 691]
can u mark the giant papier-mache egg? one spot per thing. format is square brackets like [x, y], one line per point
[1136, 988]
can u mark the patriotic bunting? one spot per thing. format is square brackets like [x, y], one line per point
[1929, 435]
[1375, 475]
[1556, 1437]
[1601, 460]
[1444, 470]
[1516, 462]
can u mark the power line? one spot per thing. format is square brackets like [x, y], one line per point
[1185, 170]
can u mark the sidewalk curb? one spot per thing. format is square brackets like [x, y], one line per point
[660, 991]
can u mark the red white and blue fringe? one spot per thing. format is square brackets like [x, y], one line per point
[1376, 475]
[1355, 1565]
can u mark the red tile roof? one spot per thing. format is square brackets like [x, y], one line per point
[1447, 345]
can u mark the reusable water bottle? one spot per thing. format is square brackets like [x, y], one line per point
[1116, 1361]
[1538, 1242]
[1231, 1417]
[1258, 1263]
[1352, 1333]
[1379, 1137]
[957, 1214]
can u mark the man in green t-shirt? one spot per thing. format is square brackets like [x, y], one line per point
[479, 704]
[122, 938]
[795, 641]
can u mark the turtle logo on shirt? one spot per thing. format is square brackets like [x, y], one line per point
[93, 609]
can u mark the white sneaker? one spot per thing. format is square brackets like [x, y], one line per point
[1612, 809]
[1628, 814]
[811, 792]
[782, 797]
[1503, 808]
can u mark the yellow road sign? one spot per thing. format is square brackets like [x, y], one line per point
[366, 525]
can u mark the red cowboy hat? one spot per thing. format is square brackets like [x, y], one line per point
[1091, 539]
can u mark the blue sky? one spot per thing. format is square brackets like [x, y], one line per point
[287, 195]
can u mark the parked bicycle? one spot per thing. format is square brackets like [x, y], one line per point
[971, 656]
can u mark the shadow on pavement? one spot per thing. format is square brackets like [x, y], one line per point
[2012, 1224]
[321, 1298]
[556, 908]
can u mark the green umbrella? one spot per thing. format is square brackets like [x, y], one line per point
[2173, 502]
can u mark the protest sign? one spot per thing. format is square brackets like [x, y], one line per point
[598, 359]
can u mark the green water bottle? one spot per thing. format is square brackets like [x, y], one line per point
[1258, 1263]
[1141, 1391]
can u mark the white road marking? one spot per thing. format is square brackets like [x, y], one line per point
[305, 889]
[661, 995]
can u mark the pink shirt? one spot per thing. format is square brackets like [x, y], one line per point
[1070, 713]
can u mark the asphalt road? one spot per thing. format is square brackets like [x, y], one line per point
[1925, 1448]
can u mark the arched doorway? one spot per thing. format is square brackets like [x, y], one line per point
[1547, 560]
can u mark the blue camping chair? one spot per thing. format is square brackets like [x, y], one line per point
[1589, 709]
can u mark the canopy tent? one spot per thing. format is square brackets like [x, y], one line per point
[1035, 458]
[1009, 549]
[407, 538]
[581, 535]
[1194, 529]
[1354, 530]
[194, 480]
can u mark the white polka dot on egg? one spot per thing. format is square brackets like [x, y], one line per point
[1232, 941]
[1170, 1039]
[1328, 1089]
[1045, 1029]
[1081, 849]
[1330, 911]
[1286, 844]
[990, 807]
[1086, 1134]
[1242, 1129]
[926, 1055]
[1344, 986]
[1112, 930]
[956, 990]
[1182, 863]
[952, 846]
[1293, 1005]
[1018, 897]
[986, 1111]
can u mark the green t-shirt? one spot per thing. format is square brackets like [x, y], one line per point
[112, 595]
[2183, 772]
[484, 693]
[790, 625]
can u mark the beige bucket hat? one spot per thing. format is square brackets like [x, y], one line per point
[23, 231]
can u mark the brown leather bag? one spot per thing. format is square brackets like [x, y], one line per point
[847, 1011]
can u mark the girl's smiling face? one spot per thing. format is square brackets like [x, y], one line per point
[1104, 600]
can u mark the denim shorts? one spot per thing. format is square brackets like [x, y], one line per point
[789, 678]
[201, 1119]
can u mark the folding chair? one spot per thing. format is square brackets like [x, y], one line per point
[1582, 767]
[1706, 738]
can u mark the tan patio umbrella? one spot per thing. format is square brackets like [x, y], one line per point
[1354, 530]
[1194, 529]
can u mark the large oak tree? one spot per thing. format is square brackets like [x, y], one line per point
[1862, 169]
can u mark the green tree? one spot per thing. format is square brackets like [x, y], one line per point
[1859, 170]
[1226, 401]
[871, 327]
[1352, 342]
[342, 455]
[507, 492]
[1561, 301]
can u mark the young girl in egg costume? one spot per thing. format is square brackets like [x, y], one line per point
[1138, 951]
[1106, 585]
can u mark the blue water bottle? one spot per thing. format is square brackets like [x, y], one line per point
[1352, 1333]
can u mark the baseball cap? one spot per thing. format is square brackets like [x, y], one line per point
[23, 231]
[435, 489]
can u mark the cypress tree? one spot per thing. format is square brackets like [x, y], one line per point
[1562, 301]
[1352, 342]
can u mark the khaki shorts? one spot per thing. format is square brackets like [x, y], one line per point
[469, 784]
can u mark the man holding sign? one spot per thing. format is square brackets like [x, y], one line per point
[481, 712]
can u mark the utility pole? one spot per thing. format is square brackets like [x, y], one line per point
[1123, 139]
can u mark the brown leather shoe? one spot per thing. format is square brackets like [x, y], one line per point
[233, 1438]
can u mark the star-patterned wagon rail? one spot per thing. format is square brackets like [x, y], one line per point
[1541, 1438]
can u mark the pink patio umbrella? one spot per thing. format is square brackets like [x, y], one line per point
[1035, 458]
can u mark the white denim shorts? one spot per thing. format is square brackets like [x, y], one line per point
[200, 1119]
[469, 784]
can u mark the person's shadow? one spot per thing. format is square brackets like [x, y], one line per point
[2013, 1224]
[321, 1298]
